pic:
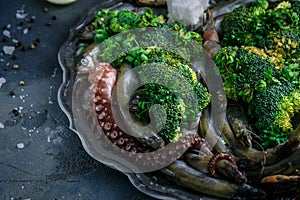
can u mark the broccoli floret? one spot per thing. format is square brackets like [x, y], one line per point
[296, 7]
[245, 71]
[235, 29]
[263, 67]
[250, 26]
[139, 46]
[282, 17]
[123, 21]
[283, 46]
[174, 63]
[273, 109]
[245, 25]
[291, 73]
[101, 24]
[149, 19]
[108, 23]
[153, 94]
[173, 85]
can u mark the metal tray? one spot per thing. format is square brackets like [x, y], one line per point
[66, 56]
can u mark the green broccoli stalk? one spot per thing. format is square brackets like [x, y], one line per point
[273, 109]
[245, 71]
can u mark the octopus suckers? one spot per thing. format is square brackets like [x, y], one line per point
[101, 115]
[107, 126]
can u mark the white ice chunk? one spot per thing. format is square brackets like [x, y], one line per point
[187, 12]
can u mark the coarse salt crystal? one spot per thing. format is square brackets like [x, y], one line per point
[25, 31]
[21, 15]
[20, 145]
[2, 81]
[9, 50]
[6, 33]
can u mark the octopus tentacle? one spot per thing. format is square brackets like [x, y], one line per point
[103, 78]
[222, 164]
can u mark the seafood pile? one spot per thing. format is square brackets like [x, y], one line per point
[238, 164]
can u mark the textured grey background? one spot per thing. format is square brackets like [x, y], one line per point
[52, 164]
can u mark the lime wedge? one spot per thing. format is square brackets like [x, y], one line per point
[61, 2]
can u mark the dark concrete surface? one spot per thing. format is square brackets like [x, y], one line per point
[40, 158]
